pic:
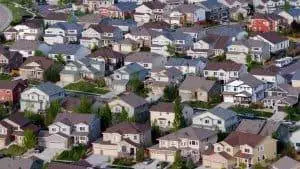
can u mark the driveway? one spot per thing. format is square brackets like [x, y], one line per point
[5, 17]
[278, 116]
[98, 160]
[48, 154]
[225, 105]
[143, 166]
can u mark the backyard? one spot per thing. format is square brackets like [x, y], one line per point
[87, 86]
[242, 110]
[13, 150]
[75, 154]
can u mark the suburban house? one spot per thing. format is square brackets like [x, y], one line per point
[63, 32]
[224, 71]
[215, 11]
[38, 98]
[281, 95]
[195, 88]
[135, 105]
[9, 61]
[291, 15]
[266, 23]
[93, 6]
[191, 141]
[126, 46]
[10, 162]
[10, 90]
[26, 48]
[146, 59]
[286, 163]
[187, 66]
[84, 68]
[100, 35]
[162, 115]
[120, 10]
[294, 139]
[69, 52]
[71, 128]
[141, 35]
[12, 129]
[244, 90]
[152, 10]
[240, 148]
[276, 42]
[296, 79]
[238, 51]
[269, 74]
[55, 17]
[124, 24]
[35, 66]
[123, 140]
[217, 118]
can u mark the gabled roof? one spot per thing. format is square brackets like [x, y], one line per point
[240, 138]
[226, 30]
[131, 68]
[295, 12]
[288, 88]
[251, 126]
[144, 57]
[196, 82]
[57, 16]
[251, 43]
[133, 99]
[222, 113]
[67, 26]
[22, 44]
[187, 8]
[103, 28]
[119, 22]
[44, 62]
[162, 107]
[266, 71]
[57, 165]
[183, 62]
[272, 37]
[67, 49]
[74, 118]
[154, 5]
[226, 65]
[18, 163]
[156, 25]
[250, 80]
[211, 4]
[286, 163]
[126, 6]
[128, 128]
[50, 88]
[11, 85]
[19, 119]
[33, 23]
[296, 76]
[106, 53]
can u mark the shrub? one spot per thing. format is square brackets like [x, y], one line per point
[13, 150]
[124, 161]
[75, 154]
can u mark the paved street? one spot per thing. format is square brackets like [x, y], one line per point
[143, 166]
[48, 154]
[5, 17]
[98, 160]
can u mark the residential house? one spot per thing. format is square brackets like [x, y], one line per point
[296, 79]
[35, 66]
[141, 35]
[135, 106]
[10, 91]
[113, 60]
[94, 5]
[76, 128]
[268, 6]
[18, 162]
[55, 17]
[120, 10]
[190, 141]
[224, 71]
[197, 32]
[38, 98]
[276, 42]
[162, 115]
[146, 59]
[294, 139]
[9, 61]
[240, 148]
[124, 24]
[26, 48]
[291, 15]
[286, 163]
[28, 30]
[187, 66]
[268, 74]
[238, 51]
[63, 32]
[267, 23]
[245, 89]
[280, 96]
[147, 11]
[100, 35]
[126, 46]
[123, 140]
[69, 52]
[217, 118]
[215, 11]
[195, 88]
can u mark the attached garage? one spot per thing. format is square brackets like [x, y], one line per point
[105, 149]
[58, 141]
[228, 98]
[162, 155]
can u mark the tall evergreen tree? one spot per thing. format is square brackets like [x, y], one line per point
[29, 140]
[178, 161]
[123, 115]
[85, 106]
[179, 121]
[106, 117]
[52, 111]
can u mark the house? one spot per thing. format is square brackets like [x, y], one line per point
[10, 91]
[268, 74]
[280, 96]
[191, 141]
[195, 88]
[38, 98]
[100, 35]
[69, 52]
[245, 89]
[224, 71]
[123, 140]
[93, 5]
[187, 66]
[18, 162]
[162, 115]
[89, 19]
[120, 10]
[291, 15]
[268, 6]
[147, 11]
[35, 66]
[113, 60]
[294, 140]
[13, 127]
[217, 118]
[197, 31]
[135, 105]
[276, 42]
[240, 148]
[238, 51]
[55, 17]
[28, 30]
[63, 32]
[296, 78]
[9, 61]
[286, 163]
[124, 24]
[26, 48]
[234, 4]
[146, 59]
[233, 31]
[141, 35]
[84, 68]
[126, 46]
[71, 128]
[266, 23]
[215, 11]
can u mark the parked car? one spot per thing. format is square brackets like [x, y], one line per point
[161, 165]
[38, 149]
[147, 161]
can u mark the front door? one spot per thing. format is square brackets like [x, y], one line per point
[131, 151]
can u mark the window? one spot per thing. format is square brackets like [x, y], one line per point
[193, 142]
[247, 150]
[53, 129]
[81, 128]
[219, 122]
[64, 129]
[146, 65]
[135, 137]
[206, 121]
[228, 149]
[81, 138]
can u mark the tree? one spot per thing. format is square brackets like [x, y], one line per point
[242, 166]
[258, 166]
[60, 59]
[190, 164]
[29, 140]
[179, 121]
[291, 111]
[155, 132]
[136, 86]
[3, 111]
[248, 59]
[85, 105]
[240, 17]
[289, 150]
[52, 73]
[106, 117]
[140, 155]
[52, 111]
[171, 49]
[286, 6]
[38, 53]
[170, 93]
[123, 115]
[178, 161]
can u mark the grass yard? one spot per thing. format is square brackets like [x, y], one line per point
[85, 86]
[75, 154]
[5, 77]
[13, 150]
[17, 12]
[248, 111]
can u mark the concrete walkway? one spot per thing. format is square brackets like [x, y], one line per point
[278, 116]
[5, 17]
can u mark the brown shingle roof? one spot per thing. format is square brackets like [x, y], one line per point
[57, 16]
[196, 82]
[154, 5]
[74, 118]
[266, 71]
[128, 128]
[273, 37]
[44, 62]
[241, 138]
[106, 53]
[226, 65]
[133, 99]
[101, 28]
[156, 25]
[162, 107]
[7, 84]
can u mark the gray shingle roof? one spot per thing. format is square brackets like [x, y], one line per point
[132, 68]
[296, 75]
[67, 49]
[74, 118]
[25, 45]
[133, 99]
[17, 163]
[196, 82]
[223, 113]
[286, 163]
[50, 88]
[182, 62]
[144, 57]
[67, 26]
[250, 80]
[251, 126]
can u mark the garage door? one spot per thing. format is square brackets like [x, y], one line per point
[56, 145]
[170, 158]
[228, 99]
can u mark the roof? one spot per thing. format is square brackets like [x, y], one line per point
[226, 30]
[295, 12]
[44, 62]
[33, 23]
[211, 4]
[133, 99]
[162, 107]
[272, 37]
[286, 163]
[57, 16]
[290, 89]
[67, 49]
[10, 84]
[102, 28]
[266, 71]
[240, 138]
[18, 163]
[226, 65]
[223, 113]
[251, 43]
[117, 22]
[191, 132]
[131, 68]
[126, 6]
[182, 62]
[50, 88]
[26, 45]
[156, 25]
[74, 118]
[154, 5]
[128, 128]
[250, 80]
[57, 165]
[19, 119]
[107, 53]
[187, 8]
[196, 82]
[251, 126]
[144, 57]
[90, 18]
[296, 76]
[67, 26]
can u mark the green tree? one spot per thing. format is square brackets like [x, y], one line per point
[240, 17]
[136, 86]
[123, 115]
[190, 164]
[106, 117]
[248, 59]
[52, 73]
[242, 166]
[29, 140]
[38, 53]
[52, 111]
[220, 58]
[178, 161]
[289, 150]
[60, 59]
[140, 155]
[155, 132]
[171, 49]
[286, 6]
[179, 121]
[170, 93]
[258, 166]
[85, 105]
[3, 111]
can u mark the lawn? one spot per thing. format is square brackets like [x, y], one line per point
[85, 86]
[75, 154]
[124, 161]
[17, 12]
[249, 112]
[13, 150]
[5, 77]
